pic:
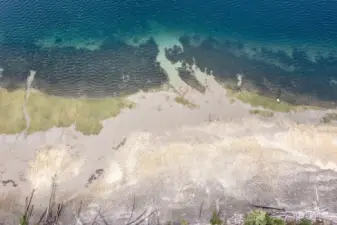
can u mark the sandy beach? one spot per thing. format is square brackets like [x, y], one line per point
[174, 155]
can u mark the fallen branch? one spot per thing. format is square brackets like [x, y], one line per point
[267, 207]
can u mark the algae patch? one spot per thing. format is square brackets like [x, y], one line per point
[183, 101]
[46, 111]
[264, 113]
[265, 102]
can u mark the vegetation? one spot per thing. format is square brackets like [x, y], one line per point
[52, 215]
[264, 113]
[329, 117]
[215, 219]
[181, 100]
[259, 217]
[46, 111]
[265, 102]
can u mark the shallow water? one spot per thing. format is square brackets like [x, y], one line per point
[82, 47]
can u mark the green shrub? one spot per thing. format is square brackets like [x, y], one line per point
[259, 217]
[305, 221]
[215, 220]
[274, 221]
[23, 221]
[256, 218]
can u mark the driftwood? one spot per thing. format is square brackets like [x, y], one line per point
[267, 207]
[95, 176]
[6, 182]
[119, 144]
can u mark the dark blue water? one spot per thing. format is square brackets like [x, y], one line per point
[274, 19]
[303, 35]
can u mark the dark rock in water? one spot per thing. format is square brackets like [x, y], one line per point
[190, 79]
[58, 40]
[66, 71]
[298, 76]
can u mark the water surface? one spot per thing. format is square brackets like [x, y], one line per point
[283, 48]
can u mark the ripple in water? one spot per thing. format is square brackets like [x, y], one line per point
[284, 49]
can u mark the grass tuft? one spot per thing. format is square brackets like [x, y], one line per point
[215, 220]
[305, 221]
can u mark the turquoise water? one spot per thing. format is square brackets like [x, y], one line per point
[82, 47]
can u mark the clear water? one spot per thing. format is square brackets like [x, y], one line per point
[82, 47]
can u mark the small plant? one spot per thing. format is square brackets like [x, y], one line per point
[259, 217]
[23, 220]
[184, 222]
[274, 221]
[305, 221]
[215, 220]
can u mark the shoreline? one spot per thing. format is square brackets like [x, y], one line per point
[173, 149]
[176, 47]
[186, 96]
[162, 149]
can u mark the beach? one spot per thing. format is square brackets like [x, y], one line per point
[177, 123]
[165, 112]
[176, 149]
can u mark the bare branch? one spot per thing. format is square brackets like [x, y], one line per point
[157, 217]
[200, 210]
[58, 214]
[78, 220]
[28, 203]
[93, 222]
[148, 216]
[267, 207]
[102, 217]
[78, 212]
[79, 209]
[42, 216]
[133, 209]
[30, 213]
[51, 200]
[119, 145]
[137, 218]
